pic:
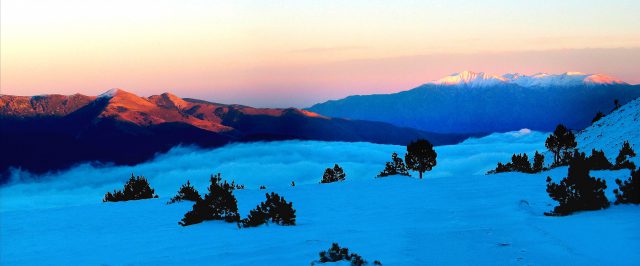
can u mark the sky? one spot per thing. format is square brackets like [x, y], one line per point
[297, 53]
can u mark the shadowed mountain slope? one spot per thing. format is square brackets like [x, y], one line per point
[45, 133]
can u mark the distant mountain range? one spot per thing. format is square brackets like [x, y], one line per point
[470, 102]
[50, 132]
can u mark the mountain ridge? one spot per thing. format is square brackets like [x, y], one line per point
[567, 79]
[489, 103]
[53, 132]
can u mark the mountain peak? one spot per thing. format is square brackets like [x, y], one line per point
[567, 79]
[169, 100]
[112, 93]
[470, 78]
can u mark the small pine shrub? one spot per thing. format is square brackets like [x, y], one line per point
[501, 168]
[275, 209]
[218, 204]
[395, 167]
[622, 160]
[597, 118]
[519, 163]
[598, 161]
[538, 162]
[578, 191]
[628, 191]
[256, 217]
[136, 188]
[336, 253]
[334, 174]
[187, 192]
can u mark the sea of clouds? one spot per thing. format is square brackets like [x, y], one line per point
[273, 164]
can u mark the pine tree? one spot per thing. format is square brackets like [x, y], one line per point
[629, 190]
[598, 116]
[336, 253]
[622, 159]
[333, 175]
[218, 204]
[520, 163]
[395, 167]
[561, 143]
[598, 161]
[420, 156]
[186, 192]
[136, 188]
[616, 105]
[275, 209]
[578, 191]
[538, 162]
[256, 217]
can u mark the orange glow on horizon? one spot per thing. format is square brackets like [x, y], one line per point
[296, 53]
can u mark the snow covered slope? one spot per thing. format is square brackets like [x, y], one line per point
[480, 102]
[611, 131]
[455, 216]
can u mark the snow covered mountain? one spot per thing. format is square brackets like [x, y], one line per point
[611, 131]
[568, 79]
[480, 102]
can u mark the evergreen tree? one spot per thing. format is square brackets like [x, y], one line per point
[578, 191]
[218, 204]
[275, 209]
[520, 163]
[538, 162]
[598, 161]
[186, 192]
[136, 188]
[616, 105]
[561, 143]
[625, 153]
[420, 156]
[395, 167]
[333, 175]
[629, 190]
[280, 211]
[598, 116]
[256, 217]
[336, 253]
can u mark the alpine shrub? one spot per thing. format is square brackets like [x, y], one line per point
[578, 191]
[218, 204]
[629, 190]
[136, 188]
[186, 192]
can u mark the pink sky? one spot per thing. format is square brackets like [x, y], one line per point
[297, 53]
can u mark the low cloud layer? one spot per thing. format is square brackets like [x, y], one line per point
[273, 164]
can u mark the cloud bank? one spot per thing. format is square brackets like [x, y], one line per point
[273, 164]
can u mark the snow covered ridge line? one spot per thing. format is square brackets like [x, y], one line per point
[567, 79]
